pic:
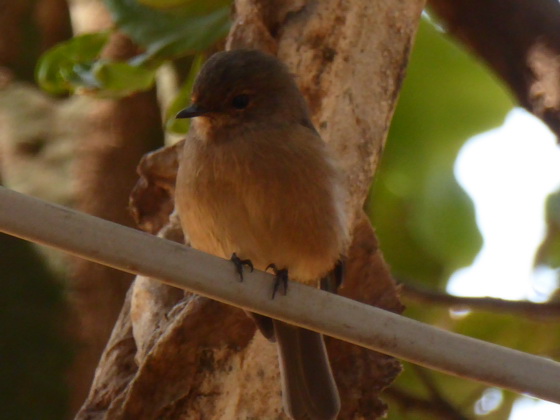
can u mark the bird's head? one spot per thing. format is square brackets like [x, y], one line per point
[240, 88]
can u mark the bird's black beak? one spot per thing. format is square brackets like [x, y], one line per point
[192, 111]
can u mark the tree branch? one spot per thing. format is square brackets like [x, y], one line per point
[546, 311]
[364, 325]
[519, 40]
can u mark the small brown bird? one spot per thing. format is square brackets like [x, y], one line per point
[256, 183]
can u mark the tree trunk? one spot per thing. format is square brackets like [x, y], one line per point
[118, 133]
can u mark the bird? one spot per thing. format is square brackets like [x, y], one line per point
[257, 184]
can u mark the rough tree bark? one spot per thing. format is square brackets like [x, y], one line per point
[162, 360]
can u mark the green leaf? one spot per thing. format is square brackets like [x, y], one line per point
[425, 221]
[174, 28]
[121, 78]
[190, 27]
[181, 126]
[75, 66]
[66, 66]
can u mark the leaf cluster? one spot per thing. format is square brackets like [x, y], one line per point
[163, 30]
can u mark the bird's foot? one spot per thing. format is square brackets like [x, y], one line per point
[280, 279]
[239, 263]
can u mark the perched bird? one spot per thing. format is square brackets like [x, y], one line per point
[257, 183]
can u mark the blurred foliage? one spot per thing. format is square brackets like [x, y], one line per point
[462, 398]
[426, 222]
[33, 352]
[465, 395]
[163, 30]
[186, 28]
[69, 65]
[424, 219]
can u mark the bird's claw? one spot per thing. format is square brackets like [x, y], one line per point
[280, 279]
[239, 263]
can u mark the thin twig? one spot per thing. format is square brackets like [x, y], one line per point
[546, 311]
[140, 253]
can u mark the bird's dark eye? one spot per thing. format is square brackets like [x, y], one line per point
[240, 101]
